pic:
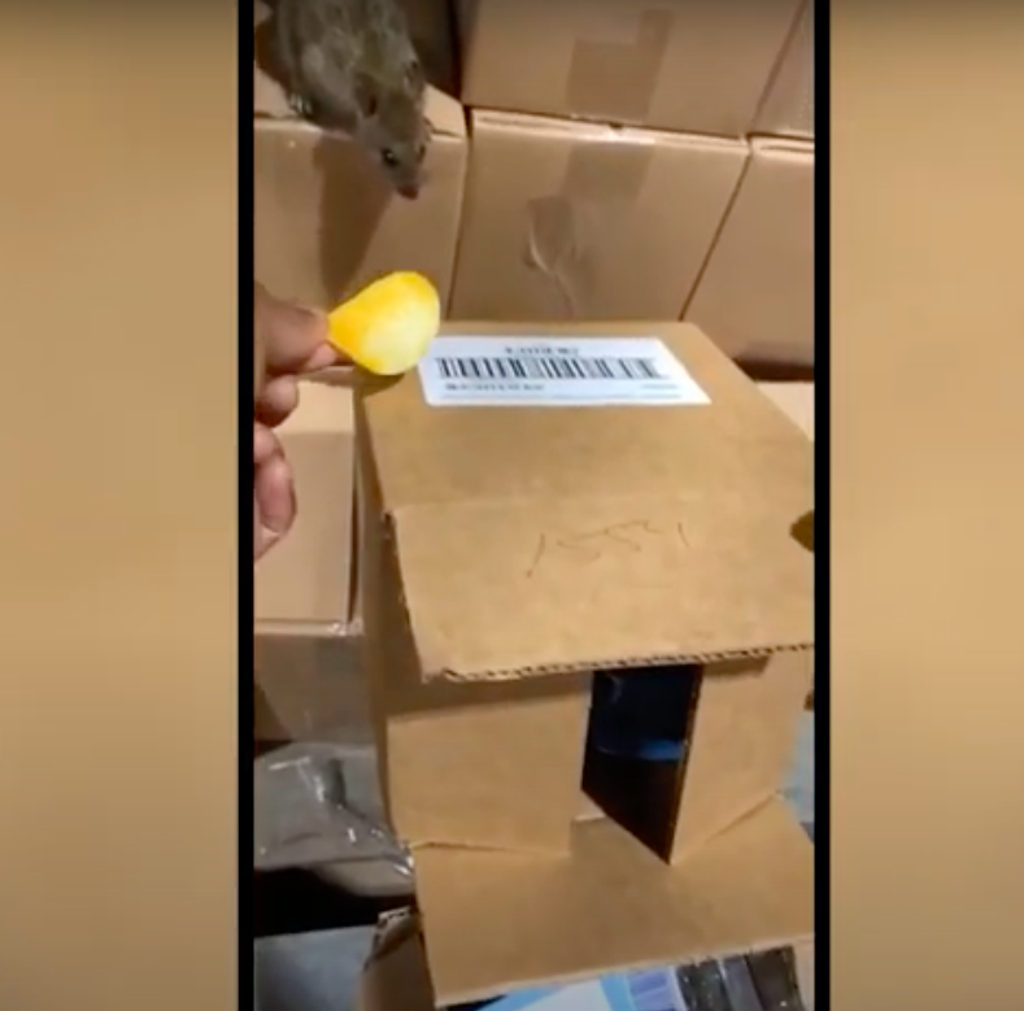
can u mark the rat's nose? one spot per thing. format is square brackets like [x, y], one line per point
[409, 190]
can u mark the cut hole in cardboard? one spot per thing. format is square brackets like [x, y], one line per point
[635, 760]
[690, 750]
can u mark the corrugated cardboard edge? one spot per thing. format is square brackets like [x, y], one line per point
[436, 663]
[439, 671]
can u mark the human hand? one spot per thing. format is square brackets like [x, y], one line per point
[294, 342]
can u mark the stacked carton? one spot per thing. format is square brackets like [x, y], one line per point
[508, 554]
[757, 291]
[641, 162]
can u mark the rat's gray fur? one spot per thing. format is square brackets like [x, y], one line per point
[351, 64]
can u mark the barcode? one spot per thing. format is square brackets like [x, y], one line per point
[653, 991]
[536, 367]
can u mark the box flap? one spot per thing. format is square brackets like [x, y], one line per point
[496, 922]
[634, 583]
[537, 540]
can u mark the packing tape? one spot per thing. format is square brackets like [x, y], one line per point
[567, 232]
[615, 81]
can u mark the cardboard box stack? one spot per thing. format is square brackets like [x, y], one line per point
[606, 161]
[632, 162]
[756, 294]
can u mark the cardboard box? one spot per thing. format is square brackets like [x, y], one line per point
[756, 295]
[796, 400]
[307, 666]
[498, 923]
[787, 109]
[578, 221]
[692, 67]
[327, 222]
[805, 973]
[510, 552]
[432, 27]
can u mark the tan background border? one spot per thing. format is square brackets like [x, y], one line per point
[118, 514]
[927, 505]
[117, 651]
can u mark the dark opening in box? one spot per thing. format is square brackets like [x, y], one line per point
[635, 760]
[676, 754]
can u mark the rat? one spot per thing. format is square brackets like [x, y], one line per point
[351, 64]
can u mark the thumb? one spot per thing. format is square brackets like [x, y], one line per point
[291, 333]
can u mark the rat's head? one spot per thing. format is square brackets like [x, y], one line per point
[395, 130]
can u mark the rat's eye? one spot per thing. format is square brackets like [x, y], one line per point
[389, 157]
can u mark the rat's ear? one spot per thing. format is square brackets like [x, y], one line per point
[366, 95]
[414, 76]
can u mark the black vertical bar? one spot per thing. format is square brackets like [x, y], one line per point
[246, 618]
[820, 545]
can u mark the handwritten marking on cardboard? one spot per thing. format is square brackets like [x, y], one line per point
[589, 546]
[493, 371]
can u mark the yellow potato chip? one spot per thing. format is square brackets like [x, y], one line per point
[387, 327]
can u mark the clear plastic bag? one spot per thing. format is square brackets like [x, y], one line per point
[318, 806]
